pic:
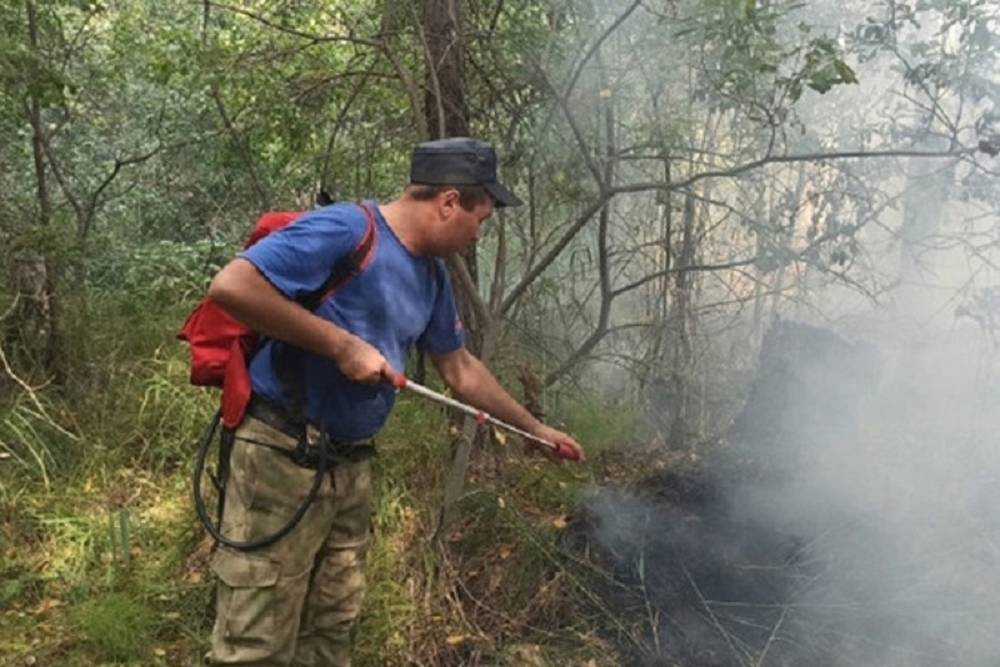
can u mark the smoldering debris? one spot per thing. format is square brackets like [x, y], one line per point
[826, 530]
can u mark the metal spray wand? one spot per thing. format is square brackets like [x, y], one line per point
[401, 382]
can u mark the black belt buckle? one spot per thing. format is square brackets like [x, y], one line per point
[306, 455]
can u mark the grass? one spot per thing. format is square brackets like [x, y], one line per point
[116, 626]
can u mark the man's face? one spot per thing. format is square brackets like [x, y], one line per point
[462, 227]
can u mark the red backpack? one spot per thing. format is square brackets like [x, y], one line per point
[221, 346]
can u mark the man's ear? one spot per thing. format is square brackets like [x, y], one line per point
[449, 201]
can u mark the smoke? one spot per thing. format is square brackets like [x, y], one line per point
[854, 501]
[847, 517]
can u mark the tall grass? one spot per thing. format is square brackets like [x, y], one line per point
[33, 440]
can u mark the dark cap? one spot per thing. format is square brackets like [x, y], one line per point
[460, 161]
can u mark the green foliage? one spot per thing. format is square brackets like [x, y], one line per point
[163, 272]
[119, 626]
[601, 426]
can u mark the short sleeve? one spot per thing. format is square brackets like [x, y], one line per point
[444, 330]
[299, 258]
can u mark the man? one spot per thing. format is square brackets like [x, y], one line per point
[293, 603]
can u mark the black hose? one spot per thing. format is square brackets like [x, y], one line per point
[202, 510]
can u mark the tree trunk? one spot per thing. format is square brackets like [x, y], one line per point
[924, 200]
[445, 113]
[38, 311]
[678, 329]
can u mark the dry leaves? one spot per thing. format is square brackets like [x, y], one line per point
[46, 605]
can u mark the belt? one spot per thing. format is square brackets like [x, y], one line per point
[305, 453]
[276, 416]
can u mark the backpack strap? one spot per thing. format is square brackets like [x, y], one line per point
[350, 266]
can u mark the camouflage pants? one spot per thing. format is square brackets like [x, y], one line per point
[294, 602]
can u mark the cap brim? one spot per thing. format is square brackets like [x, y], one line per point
[502, 195]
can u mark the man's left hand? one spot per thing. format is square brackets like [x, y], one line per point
[568, 448]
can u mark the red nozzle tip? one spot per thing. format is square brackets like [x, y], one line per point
[398, 381]
[566, 452]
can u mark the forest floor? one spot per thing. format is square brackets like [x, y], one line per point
[103, 562]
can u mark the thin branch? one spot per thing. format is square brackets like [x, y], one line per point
[350, 39]
[432, 70]
[324, 174]
[736, 263]
[785, 159]
[711, 614]
[770, 639]
[84, 223]
[607, 295]
[557, 248]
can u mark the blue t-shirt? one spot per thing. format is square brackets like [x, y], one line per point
[397, 300]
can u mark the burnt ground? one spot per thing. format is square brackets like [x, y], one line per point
[737, 560]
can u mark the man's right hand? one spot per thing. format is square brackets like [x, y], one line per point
[246, 295]
[360, 361]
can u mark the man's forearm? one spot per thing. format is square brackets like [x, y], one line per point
[248, 297]
[479, 388]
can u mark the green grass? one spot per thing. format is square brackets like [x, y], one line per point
[117, 626]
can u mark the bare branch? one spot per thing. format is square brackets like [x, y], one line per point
[460, 271]
[581, 221]
[694, 268]
[577, 133]
[556, 250]
[84, 223]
